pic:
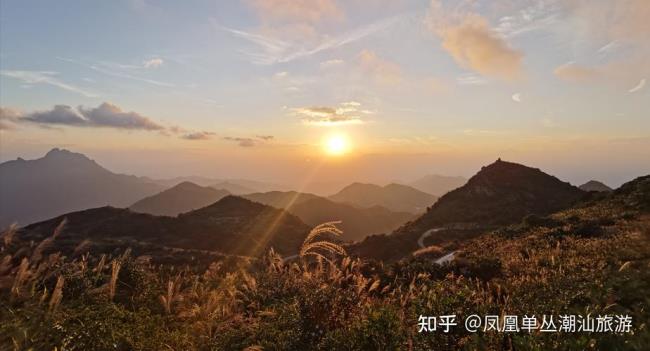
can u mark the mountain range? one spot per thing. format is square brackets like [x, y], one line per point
[61, 182]
[232, 226]
[499, 194]
[181, 198]
[594, 185]
[356, 223]
[437, 185]
[395, 197]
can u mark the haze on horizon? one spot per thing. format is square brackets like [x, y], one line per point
[360, 90]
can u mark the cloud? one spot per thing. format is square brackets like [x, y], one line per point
[153, 63]
[274, 50]
[265, 137]
[310, 11]
[8, 117]
[344, 114]
[535, 15]
[331, 63]
[46, 77]
[117, 70]
[198, 135]
[473, 44]
[516, 97]
[638, 87]
[384, 72]
[576, 73]
[105, 115]
[470, 79]
[243, 142]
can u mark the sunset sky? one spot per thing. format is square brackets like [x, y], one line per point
[325, 90]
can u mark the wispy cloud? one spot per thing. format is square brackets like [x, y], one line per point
[273, 50]
[117, 70]
[309, 11]
[250, 142]
[516, 97]
[638, 87]
[331, 63]
[573, 72]
[153, 63]
[47, 77]
[384, 71]
[540, 14]
[470, 79]
[346, 113]
[198, 135]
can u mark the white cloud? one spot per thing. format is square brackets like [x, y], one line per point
[153, 63]
[516, 97]
[46, 77]
[346, 113]
[470, 79]
[273, 50]
[331, 63]
[638, 87]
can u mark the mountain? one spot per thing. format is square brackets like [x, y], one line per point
[594, 185]
[395, 197]
[61, 182]
[437, 185]
[232, 225]
[499, 194]
[232, 188]
[202, 181]
[181, 198]
[281, 199]
[357, 223]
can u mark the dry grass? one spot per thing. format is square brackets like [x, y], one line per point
[321, 249]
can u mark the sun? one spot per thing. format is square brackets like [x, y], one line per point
[336, 145]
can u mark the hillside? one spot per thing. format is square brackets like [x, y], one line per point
[590, 260]
[594, 185]
[280, 199]
[395, 197]
[232, 225]
[181, 198]
[61, 182]
[499, 194]
[356, 223]
[437, 185]
[233, 188]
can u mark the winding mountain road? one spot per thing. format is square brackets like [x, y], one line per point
[442, 260]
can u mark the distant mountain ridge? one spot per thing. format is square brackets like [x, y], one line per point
[437, 185]
[395, 197]
[502, 193]
[232, 225]
[357, 223]
[499, 194]
[183, 197]
[61, 182]
[594, 185]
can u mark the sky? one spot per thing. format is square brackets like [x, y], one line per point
[258, 89]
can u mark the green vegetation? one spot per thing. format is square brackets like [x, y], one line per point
[590, 259]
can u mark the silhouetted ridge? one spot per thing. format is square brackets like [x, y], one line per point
[501, 193]
[395, 197]
[594, 185]
[181, 198]
[63, 181]
[232, 226]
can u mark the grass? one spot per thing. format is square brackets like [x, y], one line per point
[592, 259]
